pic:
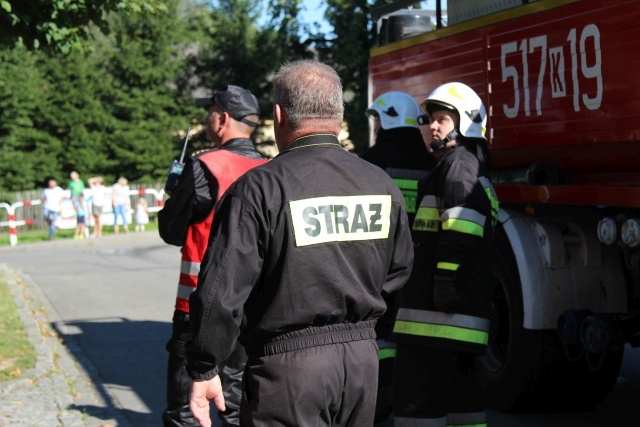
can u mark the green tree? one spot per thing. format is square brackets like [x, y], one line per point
[62, 25]
[347, 50]
[112, 112]
[20, 103]
[241, 50]
[139, 93]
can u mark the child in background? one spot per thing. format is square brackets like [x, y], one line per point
[142, 214]
[78, 204]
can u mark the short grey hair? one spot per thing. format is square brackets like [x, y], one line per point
[309, 90]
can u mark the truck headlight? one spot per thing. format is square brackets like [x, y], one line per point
[607, 231]
[630, 232]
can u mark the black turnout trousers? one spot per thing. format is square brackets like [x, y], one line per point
[302, 385]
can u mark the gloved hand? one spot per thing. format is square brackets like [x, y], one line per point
[445, 294]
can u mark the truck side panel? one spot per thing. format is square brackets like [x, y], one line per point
[562, 78]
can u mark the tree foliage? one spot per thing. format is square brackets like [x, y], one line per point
[118, 105]
[111, 112]
[347, 50]
[237, 50]
[137, 95]
[62, 25]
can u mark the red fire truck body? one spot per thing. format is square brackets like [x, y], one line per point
[561, 83]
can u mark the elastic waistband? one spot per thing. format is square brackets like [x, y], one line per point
[314, 336]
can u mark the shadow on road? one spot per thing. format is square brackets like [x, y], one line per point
[126, 360]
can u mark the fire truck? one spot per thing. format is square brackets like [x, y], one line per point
[560, 80]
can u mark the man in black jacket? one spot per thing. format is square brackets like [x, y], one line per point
[302, 250]
[443, 321]
[185, 221]
[401, 151]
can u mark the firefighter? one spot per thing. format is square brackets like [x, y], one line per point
[443, 320]
[185, 221]
[401, 151]
[302, 250]
[399, 147]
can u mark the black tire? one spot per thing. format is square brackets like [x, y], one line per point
[527, 370]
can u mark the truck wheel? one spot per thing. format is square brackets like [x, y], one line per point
[507, 368]
[527, 370]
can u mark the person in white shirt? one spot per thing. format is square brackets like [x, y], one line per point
[98, 198]
[121, 203]
[51, 202]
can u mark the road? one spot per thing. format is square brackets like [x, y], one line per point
[113, 297]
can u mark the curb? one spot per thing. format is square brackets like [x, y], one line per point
[56, 390]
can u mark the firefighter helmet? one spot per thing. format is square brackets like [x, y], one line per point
[462, 99]
[395, 109]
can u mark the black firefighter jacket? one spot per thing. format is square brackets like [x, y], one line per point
[311, 240]
[453, 233]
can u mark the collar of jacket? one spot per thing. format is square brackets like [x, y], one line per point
[314, 140]
[236, 142]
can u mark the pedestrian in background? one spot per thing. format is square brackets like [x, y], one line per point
[52, 204]
[185, 220]
[75, 186]
[141, 214]
[443, 321]
[79, 206]
[400, 151]
[98, 198]
[121, 204]
[300, 253]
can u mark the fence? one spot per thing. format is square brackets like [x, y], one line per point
[27, 212]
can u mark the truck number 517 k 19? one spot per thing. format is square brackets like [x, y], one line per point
[555, 57]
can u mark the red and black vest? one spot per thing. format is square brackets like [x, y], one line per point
[226, 167]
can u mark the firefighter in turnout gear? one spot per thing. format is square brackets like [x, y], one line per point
[400, 151]
[399, 147]
[185, 221]
[302, 251]
[443, 320]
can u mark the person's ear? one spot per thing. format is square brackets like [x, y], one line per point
[224, 119]
[278, 115]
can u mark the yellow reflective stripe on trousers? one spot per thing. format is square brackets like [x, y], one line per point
[467, 425]
[386, 349]
[467, 419]
[386, 353]
[458, 327]
[448, 266]
[419, 422]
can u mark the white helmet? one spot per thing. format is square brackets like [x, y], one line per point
[461, 98]
[396, 110]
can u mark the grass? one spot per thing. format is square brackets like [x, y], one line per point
[25, 237]
[17, 355]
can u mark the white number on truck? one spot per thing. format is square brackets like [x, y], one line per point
[555, 57]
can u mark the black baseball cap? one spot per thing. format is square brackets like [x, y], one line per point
[236, 101]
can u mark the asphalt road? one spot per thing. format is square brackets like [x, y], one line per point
[114, 298]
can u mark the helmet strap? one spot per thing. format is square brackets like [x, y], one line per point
[440, 144]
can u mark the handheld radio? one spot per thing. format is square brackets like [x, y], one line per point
[175, 170]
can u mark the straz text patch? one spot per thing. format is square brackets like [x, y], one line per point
[340, 218]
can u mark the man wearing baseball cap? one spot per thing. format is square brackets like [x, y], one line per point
[185, 221]
[239, 103]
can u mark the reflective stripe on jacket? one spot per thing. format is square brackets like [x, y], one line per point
[453, 238]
